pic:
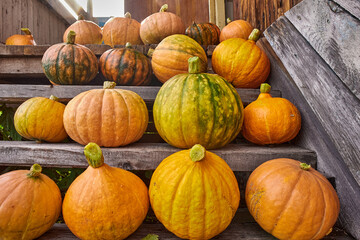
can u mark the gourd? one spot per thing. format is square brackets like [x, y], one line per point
[236, 29]
[18, 39]
[87, 32]
[204, 33]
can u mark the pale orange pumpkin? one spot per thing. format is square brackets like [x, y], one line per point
[236, 29]
[87, 32]
[18, 39]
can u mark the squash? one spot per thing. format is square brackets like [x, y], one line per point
[241, 62]
[87, 32]
[236, 29]
[270, 120]
[104, 202]
[198, 108]
[171, 56]
[30, 204]
[194, 193]
[69, 63]
[159, 25]
[120, 30]
[291, 200]
[108, 117]
[41, 119]
[204, 33]
[18, 39]
[126, 66]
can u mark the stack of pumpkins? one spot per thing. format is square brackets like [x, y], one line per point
[193, 192]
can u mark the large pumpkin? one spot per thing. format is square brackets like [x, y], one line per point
[204, 33]
[87, 32]
[104, 202]
[198, 108]
[41, 119]
[159, 25]
[120, 30]
[241, 62]
[109, 117]
[171, 56]
[236, 29]
[30, 203]
[291, 200]
[69, 63]
[194, 193]
[270, 120]
[126, 66]
[18, 39]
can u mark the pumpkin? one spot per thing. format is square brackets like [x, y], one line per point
[108, 117]
[270, 120]
[241, 62]
[126, 66]
[87, 32]
[198, 108]
[194, 193]
[120, 30]
[236, 29]
[69, 63]
[204, 33]
[171, 56]
[104, 202]
[18, 39]
[41, 119]
[291, 200]
[159, 25]
[30, 203]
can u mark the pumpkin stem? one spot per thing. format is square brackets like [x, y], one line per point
[194, 23]
[228, 20]
[305, 166]
[150, 52]
[128, 45]
[81, 17]
[71, 37]
[26, 31]
[94, 155]
[35, 171]
[109, 85]
[194, 65]
[254, 35]
[127, 15]
[164, 8]
[265, 88]
[197, 153]
[52, 97]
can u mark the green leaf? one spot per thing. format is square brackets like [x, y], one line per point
[7, 122]
[151, 237]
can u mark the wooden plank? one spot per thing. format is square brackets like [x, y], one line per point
[15, 67]
[352, 6]
[220, 13]
[60, 10]
[331, 34]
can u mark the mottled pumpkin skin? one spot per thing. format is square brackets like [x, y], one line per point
[198, 108]
[107, 117]
[291, 203]
[87, 32]
[241, 62]
[105, 203]
[194, 200]
[126, 66]
[204, 33]
[236, 29]
[120, 30]
[69, 64]
[40, 119]
[28, 206]
[171, 56]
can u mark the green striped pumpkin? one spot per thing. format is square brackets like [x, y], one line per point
[204, 33]
[198, 108]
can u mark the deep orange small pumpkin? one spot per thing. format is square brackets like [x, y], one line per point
[236, 29]
[204, 33]
[87, 32]
[18, 39]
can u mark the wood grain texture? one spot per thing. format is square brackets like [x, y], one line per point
[352, 6]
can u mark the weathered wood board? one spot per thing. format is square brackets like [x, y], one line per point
[352, 6]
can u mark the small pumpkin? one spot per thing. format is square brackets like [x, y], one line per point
[120, 30]
[126, 66]
[291, 200]
[270, 120]
[159, 25]
[199, 108]
[104, 202]
[41, 119]
[241, 62]
[30, 204]
[87, 32]
[194, 193]
[69, 63]
[204, 33]
[18, 39]
[236, 29]
[108, 117]
[171, 56]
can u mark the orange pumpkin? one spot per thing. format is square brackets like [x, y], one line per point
[18, 39]
[87, 32]
[270, 120]
[236, 29]
[291, 200]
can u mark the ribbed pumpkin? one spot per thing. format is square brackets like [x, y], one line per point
[104, 202]
[194, 193]
[30, 203]
[159, 25]
[87, 32]
[120, 30]
[18, 39]
[171, 56]
[241, 62]
[270, 120]
[109, 117]
[198, 108]
[41, 119]
[126, 66]
[204, 33]
[236, 29]
[69, 63]
[291, 200]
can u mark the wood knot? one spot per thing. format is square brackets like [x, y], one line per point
[335, 7]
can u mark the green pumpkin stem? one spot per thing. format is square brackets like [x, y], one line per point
[228, 20]
[26, 31]
[127, 15]
[35, 171]
[94, 155]
[81, 17]
[194, 65]
[150, 52]
[197, 153]
[305, 166]
[254, 35]
[109, 85]
[164, 8]
[128, 45]
[54, 98]
[71, 37]
[265, 88]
